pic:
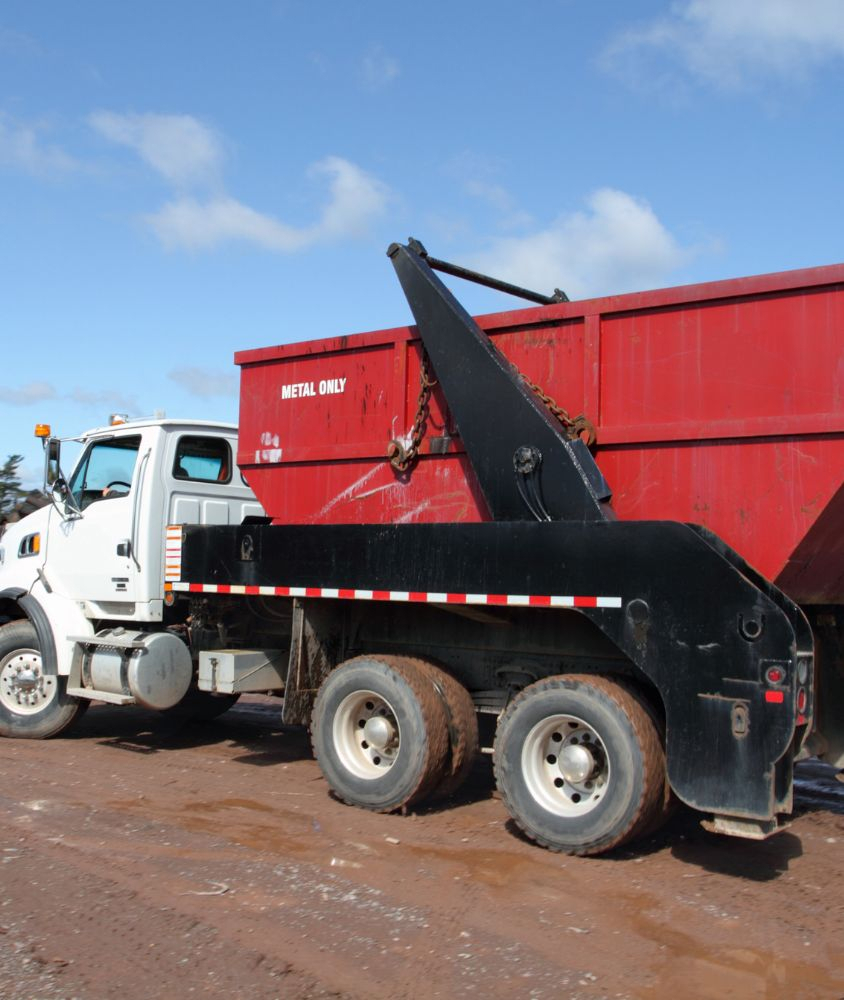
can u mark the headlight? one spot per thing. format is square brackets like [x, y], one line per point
[30, 545]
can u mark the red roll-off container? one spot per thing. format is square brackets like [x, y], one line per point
[719, 403]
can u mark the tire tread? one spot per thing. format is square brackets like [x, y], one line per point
[647, 735]
[435, 726]
[62, 711]
[463, 726]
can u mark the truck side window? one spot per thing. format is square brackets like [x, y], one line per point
[203, 459]
[106, 470]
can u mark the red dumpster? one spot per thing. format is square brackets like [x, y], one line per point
[718, 403]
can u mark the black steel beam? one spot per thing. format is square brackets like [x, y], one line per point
[458, 271]
[526, 466]
[727, 743]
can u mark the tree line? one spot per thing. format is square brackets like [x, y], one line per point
[11, 492]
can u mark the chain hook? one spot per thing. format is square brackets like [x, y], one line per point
[402, 456]
[576, 427]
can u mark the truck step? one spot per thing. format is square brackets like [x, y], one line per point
[748, 829]
[113, 641]
[112, 699]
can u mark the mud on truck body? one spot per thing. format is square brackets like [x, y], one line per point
[439, 561]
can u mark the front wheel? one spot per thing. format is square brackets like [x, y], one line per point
[579, 763]
[33, 704]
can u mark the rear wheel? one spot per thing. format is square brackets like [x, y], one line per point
[33, 704]
[462, 723]
[380, 733]
[579, 764]
[665, 804]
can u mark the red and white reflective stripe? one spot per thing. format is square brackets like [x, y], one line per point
[173, 553]
[421, 597]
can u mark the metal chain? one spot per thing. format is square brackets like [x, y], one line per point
[402, 457]
[575, 426]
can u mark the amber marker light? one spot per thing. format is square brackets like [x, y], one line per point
[42, 430]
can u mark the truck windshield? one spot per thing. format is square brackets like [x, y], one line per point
[105, 470]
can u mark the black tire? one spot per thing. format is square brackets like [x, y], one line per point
[580, 764]
[33, 705]
[462, 720]
[665, 804]
[380, 733]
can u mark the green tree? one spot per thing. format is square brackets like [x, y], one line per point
[10, 484]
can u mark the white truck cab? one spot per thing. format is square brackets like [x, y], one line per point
[93, 563]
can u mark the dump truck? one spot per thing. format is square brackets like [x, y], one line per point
[599, 539]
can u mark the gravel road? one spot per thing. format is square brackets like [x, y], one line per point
[145, 860]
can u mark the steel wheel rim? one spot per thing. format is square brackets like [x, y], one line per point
[565, 766]
[366, 734]
[24, 687]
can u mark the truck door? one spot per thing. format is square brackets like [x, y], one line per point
[205, 484]
[90, 557]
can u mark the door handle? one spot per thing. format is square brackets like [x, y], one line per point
[124, 548]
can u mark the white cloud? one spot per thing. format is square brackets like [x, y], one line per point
[40, 392]
[379, 69]
[499, 199]
[22, 147]
[24, 395]
[356, 198]
[206, 382]
[477, 176]
[200, 225]
[18, 44]
[731, 42]
[494, 194]
[103, 397]
[190, 156]
[179, 147]
[617, 245]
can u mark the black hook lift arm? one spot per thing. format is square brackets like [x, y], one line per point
[458, 271]
[525, 465]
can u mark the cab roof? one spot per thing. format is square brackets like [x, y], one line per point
[168, 423]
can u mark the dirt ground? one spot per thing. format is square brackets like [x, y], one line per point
[142, 860]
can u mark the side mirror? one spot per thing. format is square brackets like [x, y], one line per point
[52, 457]
[55, 485]
[64, 499]
[59, 489]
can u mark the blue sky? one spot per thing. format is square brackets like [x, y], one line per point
[182, 180]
